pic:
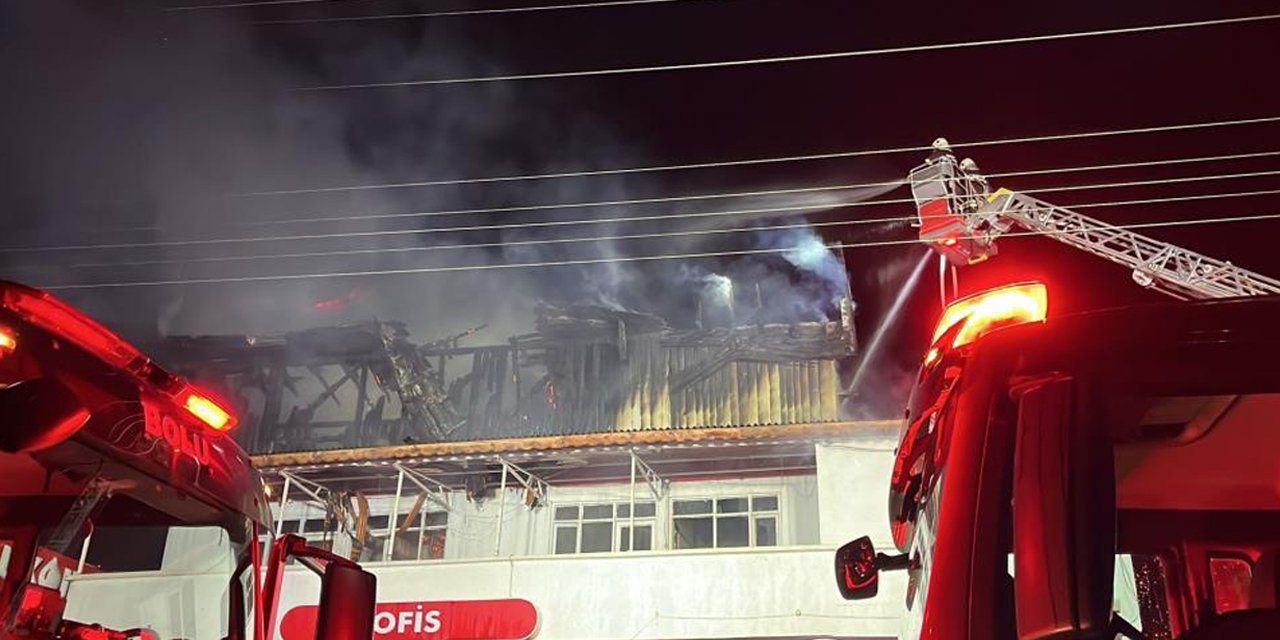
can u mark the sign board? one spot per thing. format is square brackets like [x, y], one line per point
[448, 620]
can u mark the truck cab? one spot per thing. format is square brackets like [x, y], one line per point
[96, 440]
[1102, 474]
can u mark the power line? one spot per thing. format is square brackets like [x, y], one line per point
[1132, 165]
[467, 12]
[610, 220]
[892, 184]
[1158, 181]
[586, 261]
[1169, 26]
[584, 205]
[739, 194]
[485, 227]
[617, 237]
[759, 161]
[238, 5]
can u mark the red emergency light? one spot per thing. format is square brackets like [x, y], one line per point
[982, 313]
[208, 411]
[8, 341]
[60, 319]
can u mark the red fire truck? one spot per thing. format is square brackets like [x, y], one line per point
[1102, 474]
[96, 435]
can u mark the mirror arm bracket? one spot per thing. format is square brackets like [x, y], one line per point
[896, 562]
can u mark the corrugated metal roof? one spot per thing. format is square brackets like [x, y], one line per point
[616, 439]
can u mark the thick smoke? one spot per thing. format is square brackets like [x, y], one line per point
[168, 126]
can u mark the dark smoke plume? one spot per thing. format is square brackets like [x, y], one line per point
[139, 125]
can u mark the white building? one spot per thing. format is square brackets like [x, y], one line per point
[735, 530]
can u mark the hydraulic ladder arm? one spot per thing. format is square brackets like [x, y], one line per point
[961, 217]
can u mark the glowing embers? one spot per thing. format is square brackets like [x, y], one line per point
[980, 314]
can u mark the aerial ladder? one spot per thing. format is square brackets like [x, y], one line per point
[961, 218]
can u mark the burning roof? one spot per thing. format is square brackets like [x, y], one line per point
[585, 369]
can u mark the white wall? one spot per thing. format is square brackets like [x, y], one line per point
[472, 528]
[703, 594]
[689, 595]
[853, 490]
[783, 591]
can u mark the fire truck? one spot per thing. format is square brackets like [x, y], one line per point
[1112, 473]
[96, 436]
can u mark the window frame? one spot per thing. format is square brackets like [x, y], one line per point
[422, 528]
[751, 514]
[618, 525]
[309, 512]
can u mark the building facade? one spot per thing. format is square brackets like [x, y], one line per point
[603, 477]
[722, 534]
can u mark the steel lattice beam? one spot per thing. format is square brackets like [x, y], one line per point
[962, 218]
[1159, 265]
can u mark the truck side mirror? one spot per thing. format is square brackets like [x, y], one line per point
[348, 594]
[856, 572]
[858, 568]
[347, 597]
[38, 414]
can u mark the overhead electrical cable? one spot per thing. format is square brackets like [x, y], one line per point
[737, 194]
[892, 184]
[466, 12]
[616, 237]
[246, 4]
[238, 5]
[759, 161]
[461, 229]
[616, 259]
[809, 57]
[610, 220]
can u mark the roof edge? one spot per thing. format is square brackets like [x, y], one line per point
[576, 441]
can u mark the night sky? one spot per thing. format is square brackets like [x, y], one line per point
[125, 123]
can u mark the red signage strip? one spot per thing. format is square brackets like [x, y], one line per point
[450, 620]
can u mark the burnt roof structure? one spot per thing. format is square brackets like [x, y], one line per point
[583, 370]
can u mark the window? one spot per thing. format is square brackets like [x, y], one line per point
[315, 526]
[1232, 579]
[596, 528]
[422, 538]
[1139, 593]
[121, 549]
[722, 523]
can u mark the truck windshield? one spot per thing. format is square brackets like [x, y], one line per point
[1197, 508]
[1197, 512]
[109, 562]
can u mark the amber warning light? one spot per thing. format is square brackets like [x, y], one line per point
[982, 313]
[8, 342]
[209, 412]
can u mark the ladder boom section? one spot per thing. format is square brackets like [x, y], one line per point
[961, 218]
[1159, 265]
